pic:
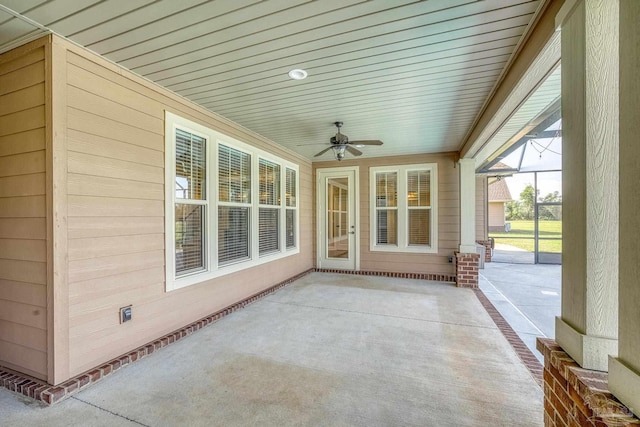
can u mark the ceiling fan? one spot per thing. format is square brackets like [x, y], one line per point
[340, 143]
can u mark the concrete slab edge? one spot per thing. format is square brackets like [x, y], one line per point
[529, 360]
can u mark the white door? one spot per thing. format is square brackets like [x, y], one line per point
[337, 218]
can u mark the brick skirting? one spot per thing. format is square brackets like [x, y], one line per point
[422, 276]
[522, 351]
[467, 270]
[575, 397]
[50, 394]
[487, 252]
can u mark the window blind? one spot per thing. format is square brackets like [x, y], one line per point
[190, 166]
[290, 189]
[419, 225]
[269, 182]
[234, 194]
[190, 208]
[269, 230]
[189, 237]
[291, 203]
[419, 202]
[387, 208]
[233, 234]
[234, 175]
[418, 185]
[291, 228]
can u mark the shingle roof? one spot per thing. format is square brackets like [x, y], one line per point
[499, 192]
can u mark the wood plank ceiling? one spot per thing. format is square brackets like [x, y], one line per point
[414, 74]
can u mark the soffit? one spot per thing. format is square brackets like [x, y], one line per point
[414, 74]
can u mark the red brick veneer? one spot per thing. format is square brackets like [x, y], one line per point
[467, 270]
[422, 276]
[487, 245]
[526, 356]
[575, 397]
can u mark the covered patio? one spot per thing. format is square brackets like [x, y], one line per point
[329, 349]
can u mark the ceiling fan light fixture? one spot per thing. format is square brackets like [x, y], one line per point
[298, 74]
[338, 150]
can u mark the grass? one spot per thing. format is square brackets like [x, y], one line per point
[521, 236]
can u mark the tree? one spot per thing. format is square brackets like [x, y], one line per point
[527, 202]
[551, 197]
[512, 210]
[550, 212]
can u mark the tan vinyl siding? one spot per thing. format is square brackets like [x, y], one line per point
[115, 140]
[448, 216]
[23, 244]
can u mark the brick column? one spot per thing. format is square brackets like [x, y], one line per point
[576, 397]
[487, 253]
[467, 270]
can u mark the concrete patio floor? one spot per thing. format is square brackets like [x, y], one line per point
[328, 350]
[527, 296]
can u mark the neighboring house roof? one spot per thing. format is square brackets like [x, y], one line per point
[501, 166]
[499, 192]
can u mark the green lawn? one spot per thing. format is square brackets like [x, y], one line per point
[521, 236]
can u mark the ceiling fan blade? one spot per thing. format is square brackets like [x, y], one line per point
[366, 142]
[323, 151]
[353, 151]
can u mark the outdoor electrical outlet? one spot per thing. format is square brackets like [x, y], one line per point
[125, 314]
[451, 259]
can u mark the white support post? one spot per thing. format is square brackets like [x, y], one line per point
[467, 206]
[624, 370]
[588, 326]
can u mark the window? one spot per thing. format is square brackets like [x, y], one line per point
[234, 204]
[270, 201]
[191, 202]
[291, 196]
[229, 206]
[403, 210]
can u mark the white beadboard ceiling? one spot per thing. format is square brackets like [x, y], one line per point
[414, 74]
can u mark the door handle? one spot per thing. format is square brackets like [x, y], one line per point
[352, 232]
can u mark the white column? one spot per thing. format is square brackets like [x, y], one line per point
[624, 371]
[467, 205]
[588, 326]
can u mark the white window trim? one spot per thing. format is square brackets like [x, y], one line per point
[403, 209]
[213, 270]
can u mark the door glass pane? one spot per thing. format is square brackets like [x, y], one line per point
[337, 218]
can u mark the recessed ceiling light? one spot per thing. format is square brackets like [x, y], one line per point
[359, 145]
[298, 74]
